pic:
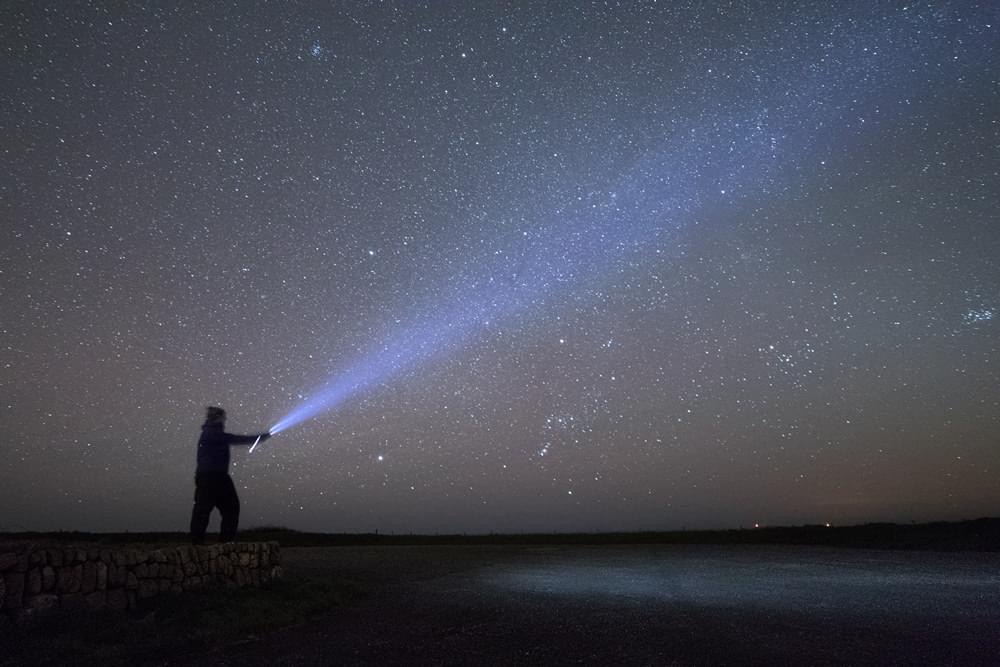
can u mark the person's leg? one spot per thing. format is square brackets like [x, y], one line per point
[229, 506]
[204, 501]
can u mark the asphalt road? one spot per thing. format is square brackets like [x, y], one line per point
[644, 605]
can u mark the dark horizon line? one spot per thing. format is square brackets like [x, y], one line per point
[981, 534]
[756, 527]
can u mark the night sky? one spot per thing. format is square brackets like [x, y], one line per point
[527, 266]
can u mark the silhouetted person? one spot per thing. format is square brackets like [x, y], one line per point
[213, 487]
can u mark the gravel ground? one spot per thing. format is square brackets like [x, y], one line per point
[643, 605]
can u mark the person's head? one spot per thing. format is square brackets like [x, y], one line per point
[214, 415]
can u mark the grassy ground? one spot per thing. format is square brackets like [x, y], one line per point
[189, 624]
[170, 625]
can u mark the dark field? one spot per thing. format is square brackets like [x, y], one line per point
[602, 605]
[646, 605]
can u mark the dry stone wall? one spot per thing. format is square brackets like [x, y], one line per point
[34, 580]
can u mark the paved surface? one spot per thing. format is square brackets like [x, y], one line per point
[644, 605]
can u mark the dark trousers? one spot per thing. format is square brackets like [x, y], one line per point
[211, 490]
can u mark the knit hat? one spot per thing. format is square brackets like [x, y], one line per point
[214, 415]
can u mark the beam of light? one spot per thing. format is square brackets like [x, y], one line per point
[415, 344]
[254, 445]
[729, 158]
[588, 238]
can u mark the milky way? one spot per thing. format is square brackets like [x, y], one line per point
[569, 267]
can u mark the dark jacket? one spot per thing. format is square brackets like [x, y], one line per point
[213, 448]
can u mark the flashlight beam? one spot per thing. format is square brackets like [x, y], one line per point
[734, 158]
[255, 442]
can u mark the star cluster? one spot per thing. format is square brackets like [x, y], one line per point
[505, 267]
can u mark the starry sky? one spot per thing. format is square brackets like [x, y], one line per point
[501, 267]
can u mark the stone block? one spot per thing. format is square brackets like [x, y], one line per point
[81, 555]
[117, 599]
[241, 578]
[69, 578]
[276, 572]
[55, 557]
[102, 576]
[48, 578]
[141, 571]
[42, 602]
[34, 584]
[116, 576]
[131, 582]
[106, 556]
[164, 585]
[64, 576]
[148, 588]
[244, 559]
[37, 558]
[23, 561]
[88, 580]
[119, 558]
[14, 593]
[3, 591]
[93, 553]
[96, 600]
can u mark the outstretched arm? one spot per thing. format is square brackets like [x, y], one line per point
[246, 439]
